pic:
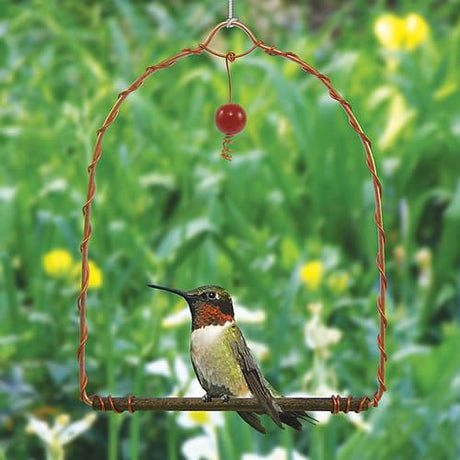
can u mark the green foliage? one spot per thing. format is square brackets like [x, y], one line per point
[169, 210]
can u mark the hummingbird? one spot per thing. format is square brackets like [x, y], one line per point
[222, 360]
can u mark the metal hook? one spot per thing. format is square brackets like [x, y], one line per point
[230, 22]
[231, 19]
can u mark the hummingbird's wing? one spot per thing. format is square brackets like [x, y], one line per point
[254, 378]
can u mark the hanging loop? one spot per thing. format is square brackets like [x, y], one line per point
[223, 25]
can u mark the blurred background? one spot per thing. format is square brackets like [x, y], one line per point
[286, 227]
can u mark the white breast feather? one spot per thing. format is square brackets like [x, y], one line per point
[207, 336]
[208, 348]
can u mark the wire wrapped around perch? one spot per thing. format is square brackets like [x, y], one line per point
[333, 404]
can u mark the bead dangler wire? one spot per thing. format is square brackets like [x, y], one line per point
[226, 150]
[230, 118]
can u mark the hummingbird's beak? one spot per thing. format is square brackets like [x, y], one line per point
[164, 288]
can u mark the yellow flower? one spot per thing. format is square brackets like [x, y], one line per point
[423, 257]
[389, 30]
[57, 262]
[200, 417]
[399, 116]
[311, 274]
[338, 282]
[315, 308]
[63, 419]
[399, 254]
[207, 420]
[95, 274]
[397, 33]
[417, 30]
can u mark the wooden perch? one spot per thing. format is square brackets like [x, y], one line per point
[133, 404]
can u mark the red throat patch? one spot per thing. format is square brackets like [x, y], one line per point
[207, 315]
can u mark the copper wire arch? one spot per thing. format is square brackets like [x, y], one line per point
[333, 404]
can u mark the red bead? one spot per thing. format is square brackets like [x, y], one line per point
[230, 119]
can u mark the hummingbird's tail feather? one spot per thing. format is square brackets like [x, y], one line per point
[253, 420]
[308, 418]
[291, 419]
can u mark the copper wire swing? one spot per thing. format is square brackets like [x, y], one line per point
[334, 403]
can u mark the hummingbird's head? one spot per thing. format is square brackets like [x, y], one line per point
[209, 305]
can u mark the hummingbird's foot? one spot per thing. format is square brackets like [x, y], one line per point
[225, 398]
[206, 398]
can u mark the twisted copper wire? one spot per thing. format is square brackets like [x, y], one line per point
[112, 405]
[378, 214]
[349, 400]
[100, 400]
[87, 231]
[364, 404]
[335, 402]
[226, 150]
[229, 57]
[130, 404]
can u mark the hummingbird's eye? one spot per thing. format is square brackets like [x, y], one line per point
[211, 295]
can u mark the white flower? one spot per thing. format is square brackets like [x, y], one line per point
[181, 370]
[390, 165]
[425, 278]
[358, 421]
[7, 194]
[117, 225]
[455, 384]
[201, 448]
[318, 336]
[423, 258]
[278, 453]
[176, 319]
[57, 185]
[158, 367]
[246, 316]
[259, 350]
[154, 179]
[193, 388]
[61, 433]
[186, 383]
